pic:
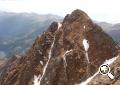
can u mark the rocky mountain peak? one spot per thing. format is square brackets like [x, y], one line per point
[79, 22]
[76, 15]
[66, 54]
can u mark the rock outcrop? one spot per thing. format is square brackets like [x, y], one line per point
[58, 56]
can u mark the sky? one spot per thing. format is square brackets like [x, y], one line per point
[100, 10]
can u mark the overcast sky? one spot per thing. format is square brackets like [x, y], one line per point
[100, 10]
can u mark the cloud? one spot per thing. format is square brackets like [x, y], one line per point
[95, 8]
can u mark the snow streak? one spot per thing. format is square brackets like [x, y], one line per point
[109, 62]
[44, 70]
[64, 56]
[49, 56]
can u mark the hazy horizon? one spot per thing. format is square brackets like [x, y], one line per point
[100, 10]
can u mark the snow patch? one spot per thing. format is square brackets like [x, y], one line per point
[36, 80]
[85, 44]
[110, 61]
[41, 62]
[59, 25]
[86, 47]
[84, 27]
[47, 82]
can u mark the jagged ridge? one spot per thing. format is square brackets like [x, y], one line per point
[58, 56]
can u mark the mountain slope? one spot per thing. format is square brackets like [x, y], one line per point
[65, 54]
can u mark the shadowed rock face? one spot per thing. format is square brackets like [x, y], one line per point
[59, 55]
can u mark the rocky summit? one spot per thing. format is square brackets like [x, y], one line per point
[68, 53]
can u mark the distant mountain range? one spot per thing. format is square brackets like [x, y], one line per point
[112, 29]
[19, 30]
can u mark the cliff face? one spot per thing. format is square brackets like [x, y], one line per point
[66, 54]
